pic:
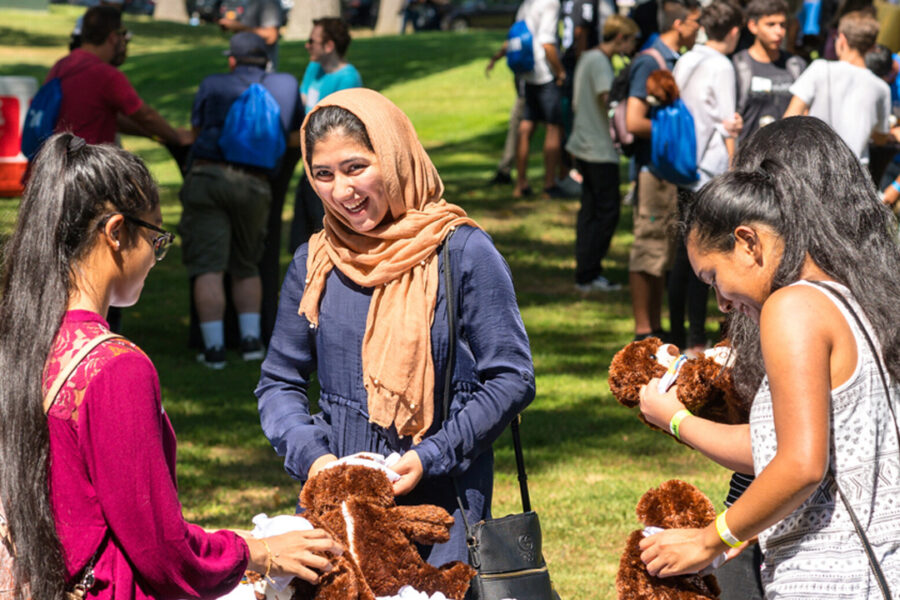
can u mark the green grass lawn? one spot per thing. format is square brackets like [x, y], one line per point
[589, 459]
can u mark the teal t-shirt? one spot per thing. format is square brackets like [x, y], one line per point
[317, 83]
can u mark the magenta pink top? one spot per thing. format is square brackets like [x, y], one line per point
[112, 478]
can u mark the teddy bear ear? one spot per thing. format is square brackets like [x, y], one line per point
[675, 504]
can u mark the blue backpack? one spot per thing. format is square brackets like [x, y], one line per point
[252, 134]
[673, 143]
[520, 48]
[41, 118]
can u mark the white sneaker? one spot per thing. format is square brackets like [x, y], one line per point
[600, 284]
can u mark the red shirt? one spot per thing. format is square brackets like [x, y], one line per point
[94, 92]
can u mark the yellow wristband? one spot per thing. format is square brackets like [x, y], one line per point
[724, 533]
[677, 418]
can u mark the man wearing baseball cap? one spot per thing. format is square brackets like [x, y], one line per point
[226, 204]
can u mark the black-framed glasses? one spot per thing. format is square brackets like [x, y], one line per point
[125, 34]
[161, 242]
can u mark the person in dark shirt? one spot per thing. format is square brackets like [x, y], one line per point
[226, 204]
[655, 212]
[262, 17]
[764, 71]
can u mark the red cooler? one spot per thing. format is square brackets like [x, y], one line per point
[15, 95]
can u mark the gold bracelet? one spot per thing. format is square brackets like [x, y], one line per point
[268, 559]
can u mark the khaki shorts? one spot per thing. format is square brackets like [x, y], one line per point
[223, 224]
[654, 225]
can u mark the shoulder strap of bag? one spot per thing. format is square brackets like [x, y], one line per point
[660, 60]
[744, 72]
[870, 554]
[67, 370]
[448, 389]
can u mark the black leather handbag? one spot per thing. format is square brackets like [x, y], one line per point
[506, 552]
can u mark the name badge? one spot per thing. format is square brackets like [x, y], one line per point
[761, 85]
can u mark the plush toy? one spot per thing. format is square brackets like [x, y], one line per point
[674, 504]
[705, 385]
[355, 504]
[661, 88]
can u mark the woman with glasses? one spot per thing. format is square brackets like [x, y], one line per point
[364, 307]
[87, 459]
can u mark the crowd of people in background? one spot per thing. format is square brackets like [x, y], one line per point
[753, 65]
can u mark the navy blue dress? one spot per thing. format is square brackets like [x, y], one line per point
[493, 380]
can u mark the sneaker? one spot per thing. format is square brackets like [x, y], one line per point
[213, 358]
[600, 284]
[500, 178]
[555, 191]
[570, 186]
[252, 349]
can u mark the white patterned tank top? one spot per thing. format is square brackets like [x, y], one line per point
[815, 552]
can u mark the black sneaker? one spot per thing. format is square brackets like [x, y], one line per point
[213, 358]
[500, 178]
[252, 349]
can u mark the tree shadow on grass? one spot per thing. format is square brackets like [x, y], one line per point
[17, 37]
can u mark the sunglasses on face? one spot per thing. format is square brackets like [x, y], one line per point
[125, 34]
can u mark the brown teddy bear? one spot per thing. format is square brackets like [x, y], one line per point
[355, 504]
[661, 88]
[673, 505]
[705, 385]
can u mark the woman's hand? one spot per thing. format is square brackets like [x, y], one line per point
[410, 470]
[297, 553]
[681, 551]
[319, 464]
[658, 408]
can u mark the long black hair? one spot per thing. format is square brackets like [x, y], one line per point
[800, 179]
[71, 188]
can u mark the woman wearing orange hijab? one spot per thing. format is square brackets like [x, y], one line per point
[364, 307]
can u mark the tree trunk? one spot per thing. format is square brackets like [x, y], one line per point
[299, 23]
[171, 10]
[389, 17]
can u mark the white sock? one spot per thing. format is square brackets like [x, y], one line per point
[213, 334]
[249, 325]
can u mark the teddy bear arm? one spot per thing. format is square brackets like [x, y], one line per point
[424, 523]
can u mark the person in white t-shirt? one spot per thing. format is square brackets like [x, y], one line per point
[543, 97]
[706, 82]
[845, 94]
[595, 156]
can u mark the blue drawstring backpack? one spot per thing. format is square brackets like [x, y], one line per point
[673, 143]
[520, 48]
[252, 134]
[40, 121]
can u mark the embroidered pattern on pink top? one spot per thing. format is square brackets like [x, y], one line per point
[71, 338]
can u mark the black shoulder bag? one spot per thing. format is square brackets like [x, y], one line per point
[870, 554]
[506, 552]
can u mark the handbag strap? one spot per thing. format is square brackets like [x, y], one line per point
[67, 370]
[448, 388]
[867, 547]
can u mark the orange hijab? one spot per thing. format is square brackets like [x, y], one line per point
[398, 258]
